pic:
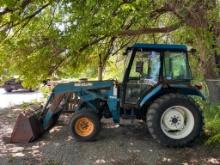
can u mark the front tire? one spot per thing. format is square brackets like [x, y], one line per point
[85, 125]
[174, 120]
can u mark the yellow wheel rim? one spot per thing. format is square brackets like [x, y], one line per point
[84, 126]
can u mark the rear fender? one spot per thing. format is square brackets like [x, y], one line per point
[174, 88]
[186, 90]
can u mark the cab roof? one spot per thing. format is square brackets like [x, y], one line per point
[163, 47]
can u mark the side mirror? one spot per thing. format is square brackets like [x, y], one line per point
[139, 66]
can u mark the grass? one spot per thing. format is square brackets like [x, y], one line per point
[52, 162]
[212, 123]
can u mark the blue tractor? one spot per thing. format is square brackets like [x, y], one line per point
[156, 88]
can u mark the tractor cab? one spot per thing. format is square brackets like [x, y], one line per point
[150, 65]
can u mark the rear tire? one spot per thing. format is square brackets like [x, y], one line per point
[85, 125]
[174, 120]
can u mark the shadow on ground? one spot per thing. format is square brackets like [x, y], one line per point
[128, 144]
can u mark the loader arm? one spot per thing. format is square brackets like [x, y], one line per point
[44, 119]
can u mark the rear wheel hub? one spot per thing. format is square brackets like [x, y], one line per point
[177, 122]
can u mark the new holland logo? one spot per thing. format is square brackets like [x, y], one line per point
[83, 84]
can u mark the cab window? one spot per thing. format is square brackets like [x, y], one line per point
[151, 65]
[176, 66]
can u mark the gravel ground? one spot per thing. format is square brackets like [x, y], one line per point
[129, 144]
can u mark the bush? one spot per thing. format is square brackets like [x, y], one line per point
[212, 123]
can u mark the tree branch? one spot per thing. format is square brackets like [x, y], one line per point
[147, 30]
[24, 3]
[159, 11]
[27, 19]
[5, 11]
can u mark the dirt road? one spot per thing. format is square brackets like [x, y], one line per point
[17, 97]
[129, 144]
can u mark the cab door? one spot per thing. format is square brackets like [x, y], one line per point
[144, 74]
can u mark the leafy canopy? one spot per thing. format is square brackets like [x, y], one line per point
[45, 38]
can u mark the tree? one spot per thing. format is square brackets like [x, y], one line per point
[41, 38]
[42, 31]
[201, 19]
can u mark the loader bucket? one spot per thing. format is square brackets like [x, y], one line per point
[27, 127]
[33, 122]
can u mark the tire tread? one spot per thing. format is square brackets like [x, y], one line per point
[153, 111]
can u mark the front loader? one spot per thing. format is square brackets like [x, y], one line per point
[156, 88]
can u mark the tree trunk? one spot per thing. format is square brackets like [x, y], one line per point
[100, 69]
[214, 90]
[209, 66]
[213, 80]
